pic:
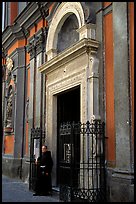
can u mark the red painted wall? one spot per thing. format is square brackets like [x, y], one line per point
[109, 83]
[13, 11]
[9, 144]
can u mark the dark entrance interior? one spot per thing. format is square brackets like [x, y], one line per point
[68, 110]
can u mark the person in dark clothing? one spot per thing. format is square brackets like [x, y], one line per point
[44, 169]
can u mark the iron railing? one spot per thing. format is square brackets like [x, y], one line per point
[36, 137]
[82, 162]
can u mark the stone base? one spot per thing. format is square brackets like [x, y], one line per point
[120, 186]
[11, 167]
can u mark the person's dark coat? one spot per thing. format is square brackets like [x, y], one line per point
[47, 161]
[44, 182]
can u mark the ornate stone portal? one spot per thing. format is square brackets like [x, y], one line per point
[75, 66]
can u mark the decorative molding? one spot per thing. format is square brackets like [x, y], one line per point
[52, 13]
[8, 130]
[9, 64]
[3, 72]
[4, 54]
[87, 31]
[86, 17]
[37, 42]
[64, 10]
[13, 33]
[8, 121]
[66, 83]
[31, 48]
[43, 9]
[84, 45]
[28, 17]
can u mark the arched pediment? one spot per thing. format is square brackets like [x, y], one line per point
[64, 10]
[85, 17]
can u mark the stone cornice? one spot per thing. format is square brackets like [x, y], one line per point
[54, 8]
[43, 7]
[22, 24]
[32, 13]
[82, 46]
[27, 13]
[13, 33]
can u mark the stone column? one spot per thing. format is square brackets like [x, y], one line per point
[99, 37]
[92, 106]
[38, 91]
[30, 115]
[30, 49]
[121, 181]
[20, 94]
[92, 88]
[35, 48]
[121, 86]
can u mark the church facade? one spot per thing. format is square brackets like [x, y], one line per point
[65, 62]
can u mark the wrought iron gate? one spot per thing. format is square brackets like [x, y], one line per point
[82, 162]
[35, 152]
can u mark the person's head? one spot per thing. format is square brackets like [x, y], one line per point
[44, 148]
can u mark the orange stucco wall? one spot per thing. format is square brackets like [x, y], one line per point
[9, 140]
[109, 75]
[27, 58]
[131, 29]
[14, 11]
[9, 144]
[32, 31]
[17, 44]
[40, 24]
[105, 4]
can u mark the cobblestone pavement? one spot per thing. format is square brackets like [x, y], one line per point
[15, 190]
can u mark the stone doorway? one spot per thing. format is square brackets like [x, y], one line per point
[68, 110]
[68, 106]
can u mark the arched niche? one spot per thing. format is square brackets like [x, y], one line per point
[68, 34]
[64, 11]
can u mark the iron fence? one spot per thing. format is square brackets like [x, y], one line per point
[35, 151]
[82, 162]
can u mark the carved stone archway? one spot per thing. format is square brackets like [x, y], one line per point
[63, 12]
[77, 65]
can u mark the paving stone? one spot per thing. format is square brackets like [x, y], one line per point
[15, 190]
